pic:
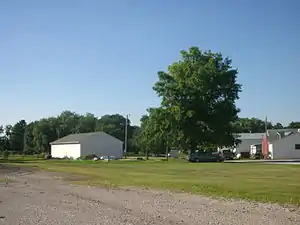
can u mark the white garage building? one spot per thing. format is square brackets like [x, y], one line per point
[248, 139]
[96, 143]
[285, 146]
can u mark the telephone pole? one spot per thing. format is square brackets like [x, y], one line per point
[126, 135]
[266, 143]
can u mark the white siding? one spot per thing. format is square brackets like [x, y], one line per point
[104, 145]
[245, 144]
[285, 148]
[65, 150]
[271, 151]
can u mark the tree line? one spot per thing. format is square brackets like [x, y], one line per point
[34, 137]
[198, 95]
[255, 125]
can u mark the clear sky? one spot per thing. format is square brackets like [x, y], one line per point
[103, 56]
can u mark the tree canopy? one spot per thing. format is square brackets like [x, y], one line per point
[200, 91]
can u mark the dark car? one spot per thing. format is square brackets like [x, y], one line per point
[206, 156]
[228, 154]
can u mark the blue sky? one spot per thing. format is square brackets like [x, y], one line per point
[103, 56]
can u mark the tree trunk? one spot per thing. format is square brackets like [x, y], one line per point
[193, 147]
[167, 153]
[147, 154]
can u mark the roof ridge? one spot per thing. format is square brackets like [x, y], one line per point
[78, 137]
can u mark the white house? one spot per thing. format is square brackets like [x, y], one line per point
[285, 147]
[246, 140]
[96, 143]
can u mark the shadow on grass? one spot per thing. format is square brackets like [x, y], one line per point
[14, 161]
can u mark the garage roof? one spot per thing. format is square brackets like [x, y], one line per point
[245, 136]
[77, 138]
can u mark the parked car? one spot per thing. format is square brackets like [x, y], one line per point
[174, 154]
[245, 155]
[108, 158]
[228, 154]
[206, 156]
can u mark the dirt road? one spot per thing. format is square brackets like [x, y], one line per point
[42, 198]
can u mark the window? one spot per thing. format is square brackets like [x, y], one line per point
[297, 146]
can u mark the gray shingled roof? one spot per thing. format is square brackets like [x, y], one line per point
[284, 130]
[275, 134]
[245, 136]
[77, 138]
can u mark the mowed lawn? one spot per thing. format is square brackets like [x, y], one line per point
[261, 182]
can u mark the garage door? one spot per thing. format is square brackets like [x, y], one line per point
[65, 150]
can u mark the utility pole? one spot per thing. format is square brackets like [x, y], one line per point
[266, 125]
[266, 143]
[126, 136]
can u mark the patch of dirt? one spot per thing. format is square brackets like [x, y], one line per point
[11, 169]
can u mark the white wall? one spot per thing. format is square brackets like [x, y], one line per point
[65, 150]
[102, 145]
[245, 144]
[285, 148]
[271, 151]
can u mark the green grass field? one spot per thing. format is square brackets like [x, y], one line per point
[274, 183]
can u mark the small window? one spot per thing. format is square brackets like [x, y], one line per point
[297, 146]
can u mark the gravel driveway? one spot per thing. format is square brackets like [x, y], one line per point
[42, 198]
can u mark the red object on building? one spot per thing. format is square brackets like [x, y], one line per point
[265, 147]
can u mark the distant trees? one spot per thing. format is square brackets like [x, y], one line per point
[252, 125]
[3, 139]
[16, 137]
[35, 137]
[294, 125]
[255, 125]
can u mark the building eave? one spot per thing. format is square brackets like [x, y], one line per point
[64, 142]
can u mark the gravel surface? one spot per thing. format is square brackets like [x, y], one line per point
[43, 198]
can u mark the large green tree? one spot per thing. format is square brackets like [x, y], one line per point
[17, 136]
[29, 146]
[200, 91]
[113, 125]
[2, 138]
[155, 135]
